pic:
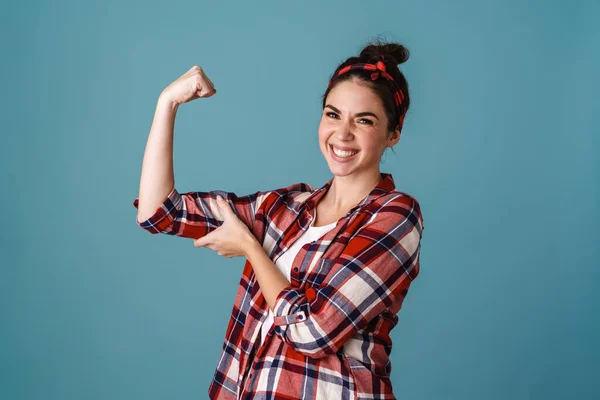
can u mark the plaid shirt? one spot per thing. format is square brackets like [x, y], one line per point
[331, 333]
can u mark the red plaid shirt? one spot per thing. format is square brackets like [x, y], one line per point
[331, 333]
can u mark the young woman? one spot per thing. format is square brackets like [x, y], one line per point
[327, 269]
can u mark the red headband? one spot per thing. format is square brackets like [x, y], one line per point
[379, 71]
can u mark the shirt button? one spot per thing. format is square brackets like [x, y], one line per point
[295, 269]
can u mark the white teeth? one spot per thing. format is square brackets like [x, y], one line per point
[340, 153]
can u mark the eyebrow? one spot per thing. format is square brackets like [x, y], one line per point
[361, 114]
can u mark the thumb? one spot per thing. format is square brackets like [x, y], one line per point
[204, 240]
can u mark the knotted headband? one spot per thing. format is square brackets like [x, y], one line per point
[379, 71]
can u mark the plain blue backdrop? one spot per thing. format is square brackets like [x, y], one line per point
[500, 147]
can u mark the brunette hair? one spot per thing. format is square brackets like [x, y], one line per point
[394, 54]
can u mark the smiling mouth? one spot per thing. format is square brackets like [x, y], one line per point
[343, 155]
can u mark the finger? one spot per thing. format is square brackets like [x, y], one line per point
[207, 89]
[210, 94]
[203, 241]
[211, 246]
[204, 92]
[203, 88]
[225, 207]
[209, 83]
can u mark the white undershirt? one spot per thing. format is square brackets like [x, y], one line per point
[284, 262]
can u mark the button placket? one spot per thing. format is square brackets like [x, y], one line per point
[257, 353]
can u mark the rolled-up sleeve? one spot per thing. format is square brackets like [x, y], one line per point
[195, 214]
[372, 274]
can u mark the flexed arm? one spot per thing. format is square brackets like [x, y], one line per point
[157, 179]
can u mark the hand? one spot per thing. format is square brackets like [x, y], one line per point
[232, 238]
[189, 86]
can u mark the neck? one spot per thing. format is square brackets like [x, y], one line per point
[346, 192]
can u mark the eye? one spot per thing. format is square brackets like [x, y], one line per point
[330, 114]
[369, 122]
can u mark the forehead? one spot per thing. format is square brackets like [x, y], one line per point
[354, 96]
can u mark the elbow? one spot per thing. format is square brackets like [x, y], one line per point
[146, 216]
[311, 346]
[154, 225]
[143, 217]
[316, 351]
[320, 353]
[156, 220]
[152, 229]
[311, 333]
[140, 220]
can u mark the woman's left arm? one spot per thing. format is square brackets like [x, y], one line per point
[232, 239]
[372, 274]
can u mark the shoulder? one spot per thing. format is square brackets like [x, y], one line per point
[396, 207]
[403, 199]
[294, 189]
[291, 196]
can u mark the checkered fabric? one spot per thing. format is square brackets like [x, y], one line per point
[331, 333]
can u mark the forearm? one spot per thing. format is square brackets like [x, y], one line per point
[269, 277]
[157, 178]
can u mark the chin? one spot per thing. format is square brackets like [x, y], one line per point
[341, 170]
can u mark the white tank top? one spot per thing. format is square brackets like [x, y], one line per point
[284, 262]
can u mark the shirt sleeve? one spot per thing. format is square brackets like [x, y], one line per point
[372, 274]
[195, 214]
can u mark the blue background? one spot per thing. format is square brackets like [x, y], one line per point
[500, 147]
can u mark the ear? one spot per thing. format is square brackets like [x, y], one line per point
[394, 137]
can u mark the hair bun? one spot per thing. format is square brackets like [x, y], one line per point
[398, 53]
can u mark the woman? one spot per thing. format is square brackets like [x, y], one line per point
[327, 268]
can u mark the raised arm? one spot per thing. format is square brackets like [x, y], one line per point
[157, 180]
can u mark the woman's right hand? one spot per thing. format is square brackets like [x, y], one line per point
[189, 86]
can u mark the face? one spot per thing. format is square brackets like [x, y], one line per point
[354, 121]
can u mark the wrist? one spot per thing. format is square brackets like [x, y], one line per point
[251, 245]
[166, 102]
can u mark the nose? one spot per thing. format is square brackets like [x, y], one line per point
[344, 131]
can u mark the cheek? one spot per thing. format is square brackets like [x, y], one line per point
[372, 145]
[326, 126]
[322, 130]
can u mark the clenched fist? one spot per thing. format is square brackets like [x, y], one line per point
[189, 86]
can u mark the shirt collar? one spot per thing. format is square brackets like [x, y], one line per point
[385, 185]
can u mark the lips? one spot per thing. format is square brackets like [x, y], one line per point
[343, 148]
[342, 159]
